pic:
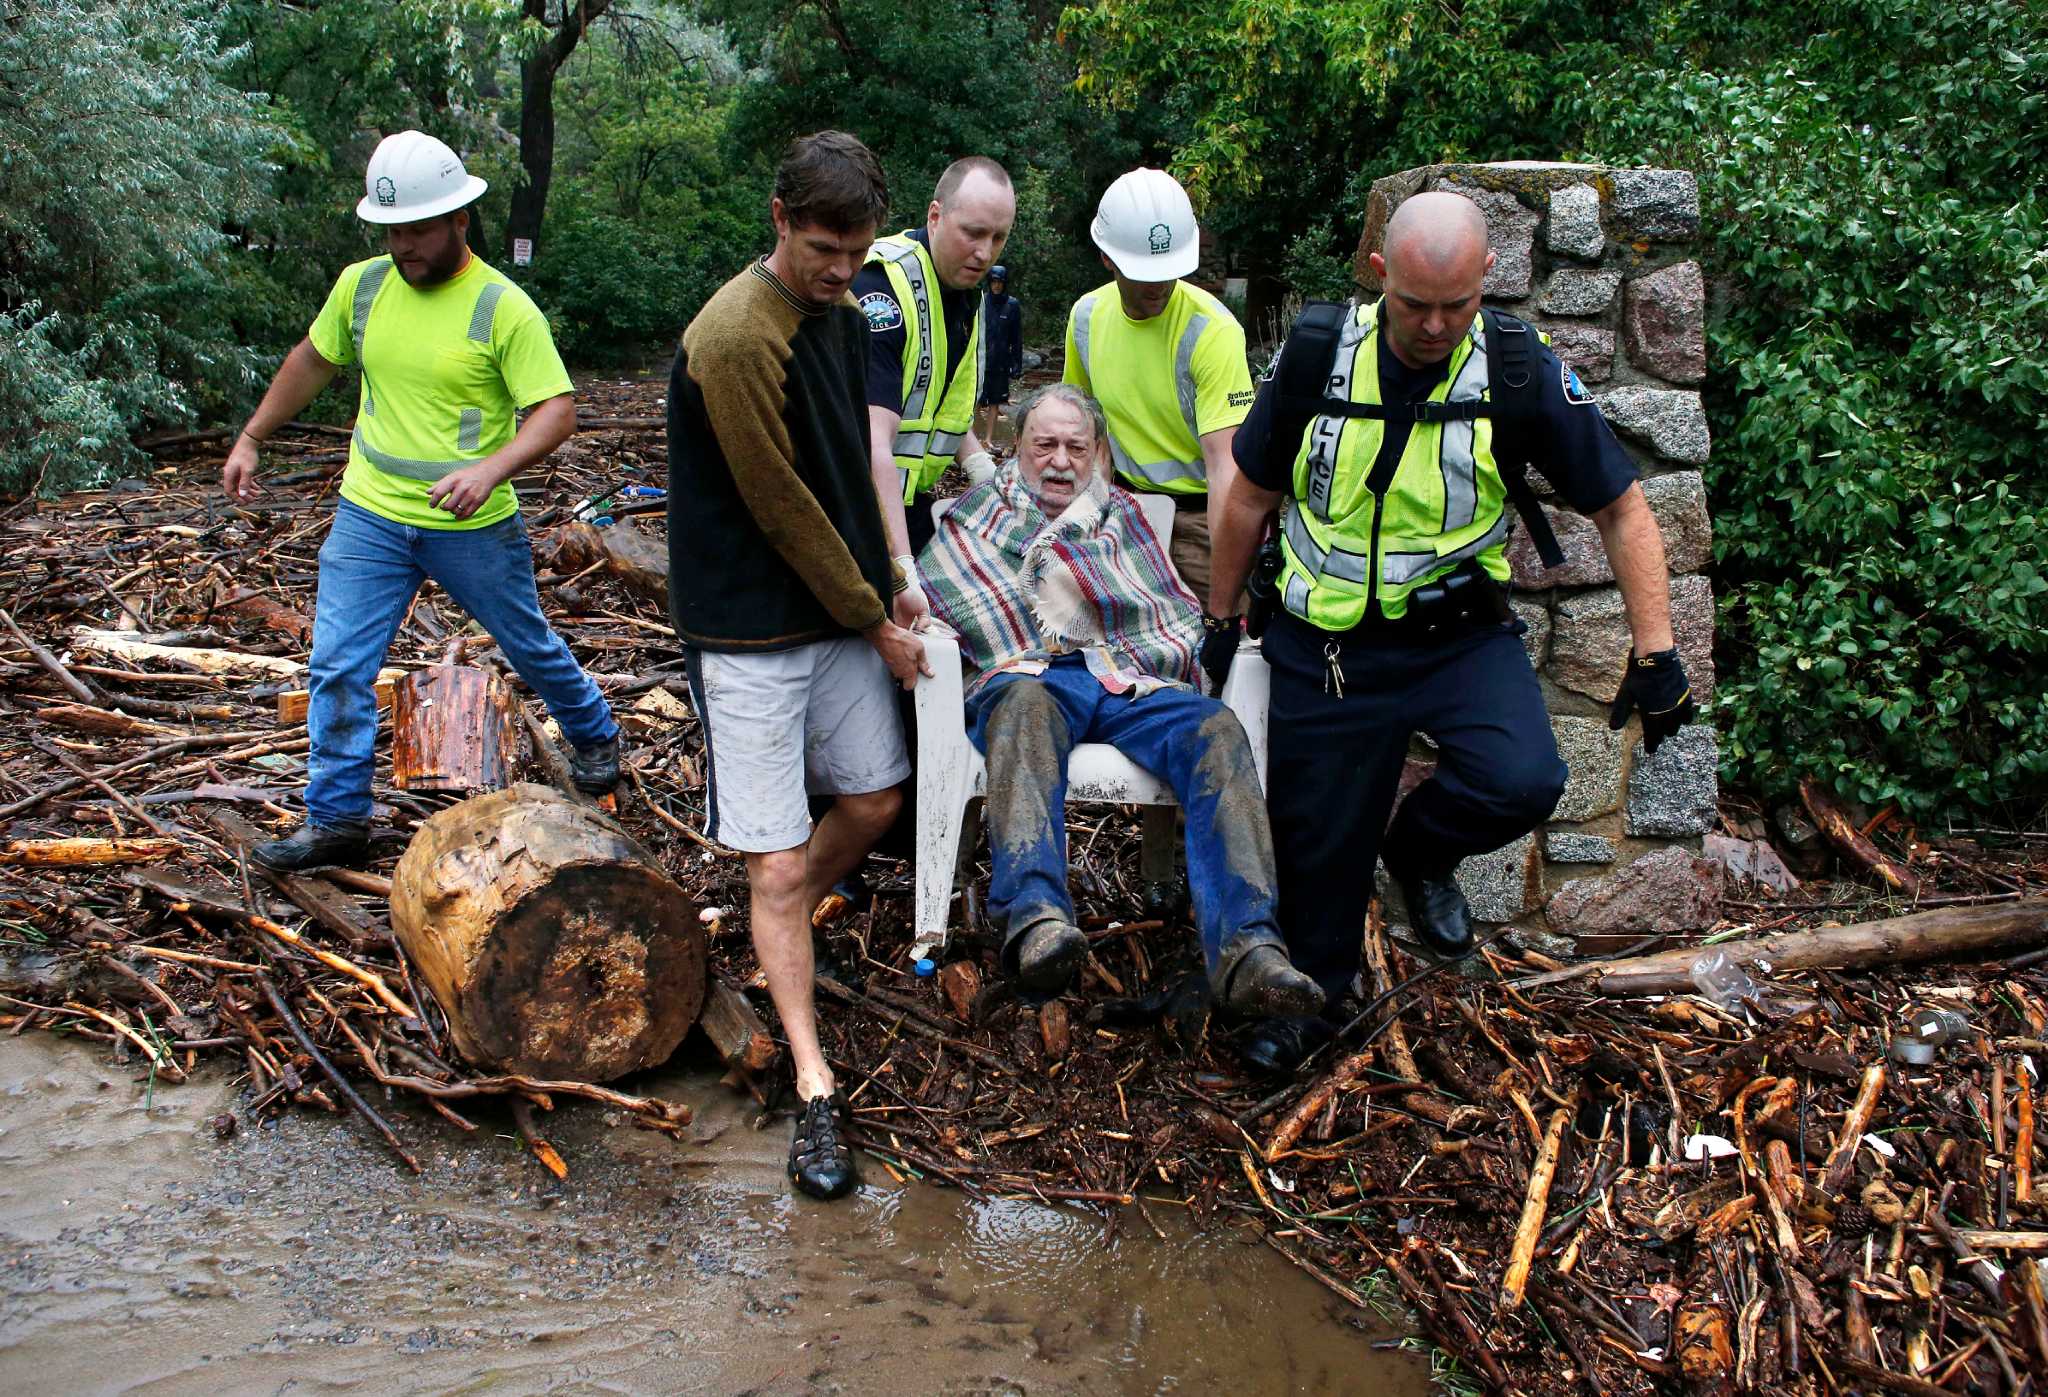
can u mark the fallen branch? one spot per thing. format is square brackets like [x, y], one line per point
[1938, 935]
[1840, 831]
[1523, 1253]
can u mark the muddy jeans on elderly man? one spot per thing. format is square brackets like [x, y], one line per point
[1027, 726]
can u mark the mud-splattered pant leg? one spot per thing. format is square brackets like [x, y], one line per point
[1025, 725]
[1028, 725]
[1199, 748]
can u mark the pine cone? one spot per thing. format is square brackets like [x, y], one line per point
[1853, 1220]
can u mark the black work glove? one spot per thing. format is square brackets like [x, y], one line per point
[1655, 684]
[1220, 637]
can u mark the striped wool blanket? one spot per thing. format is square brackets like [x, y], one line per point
[1020, 588]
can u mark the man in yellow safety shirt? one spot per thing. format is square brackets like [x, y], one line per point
[920, 293]
[1165, 359]
[449, 350]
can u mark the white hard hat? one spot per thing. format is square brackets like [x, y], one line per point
[413, 176]
[1147, 227]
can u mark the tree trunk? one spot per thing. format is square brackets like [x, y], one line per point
[537, 113]
[1934, 935]
[552, 941]
[453, 728]
[636, 558]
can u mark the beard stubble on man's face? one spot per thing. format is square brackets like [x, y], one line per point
[427, 254]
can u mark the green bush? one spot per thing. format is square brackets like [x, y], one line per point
[125, 155]
[618, 291]
[1872, 196]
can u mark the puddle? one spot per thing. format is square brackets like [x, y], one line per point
[140, 1254]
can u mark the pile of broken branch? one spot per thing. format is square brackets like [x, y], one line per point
[1585, 1176]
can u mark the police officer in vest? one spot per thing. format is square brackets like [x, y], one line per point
[449, 351]
[1392, 615]
[1165, 359]
[919, 291]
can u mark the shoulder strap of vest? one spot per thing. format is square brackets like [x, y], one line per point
[1511, 383]
[1301, 378]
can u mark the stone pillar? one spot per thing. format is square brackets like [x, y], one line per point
[1603, 262]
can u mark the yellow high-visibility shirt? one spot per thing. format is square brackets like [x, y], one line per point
[444, 369]
[1164, 383]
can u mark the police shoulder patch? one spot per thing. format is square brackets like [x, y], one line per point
[1574, 391]
[881, 310]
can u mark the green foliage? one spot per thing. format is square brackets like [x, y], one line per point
[926, 84]
[1311, 269]
[650, 212]
[124, 155]
[1873, 190]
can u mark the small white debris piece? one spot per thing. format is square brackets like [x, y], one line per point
[1708, 1147]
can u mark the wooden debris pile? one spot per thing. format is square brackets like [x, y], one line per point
[1593, 1179]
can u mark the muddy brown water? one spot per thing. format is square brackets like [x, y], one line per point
[140, 1254]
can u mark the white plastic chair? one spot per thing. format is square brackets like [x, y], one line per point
[951, 773]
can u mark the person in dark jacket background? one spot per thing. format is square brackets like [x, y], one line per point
[1004, 338]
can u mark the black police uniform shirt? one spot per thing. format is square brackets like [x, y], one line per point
[886, 334]
[1566, 439]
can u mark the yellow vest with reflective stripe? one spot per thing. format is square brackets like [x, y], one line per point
[1182, 471]
[935, 415]
[1346, 548]
[469, 425]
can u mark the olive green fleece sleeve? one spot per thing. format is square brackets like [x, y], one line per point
[740, 364]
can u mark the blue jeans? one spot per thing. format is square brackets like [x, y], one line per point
[370, 568]
[1027, 726]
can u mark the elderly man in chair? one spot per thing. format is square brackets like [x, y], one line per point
[1075, 628]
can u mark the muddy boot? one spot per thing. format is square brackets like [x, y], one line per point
[1265, 984]
[1048, 954]
[315, 846]
[820, 1162]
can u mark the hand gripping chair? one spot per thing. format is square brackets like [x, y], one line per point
[951, 774]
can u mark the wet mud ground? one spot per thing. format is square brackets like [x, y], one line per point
[138, 1253]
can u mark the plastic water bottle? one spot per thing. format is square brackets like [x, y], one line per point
[1724, 982]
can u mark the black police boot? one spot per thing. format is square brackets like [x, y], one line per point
[1048, 954]
[1278, 1046]
[820, 1161]
[315, 846]
[1438, 912]
[595, 770]
[1265, 983]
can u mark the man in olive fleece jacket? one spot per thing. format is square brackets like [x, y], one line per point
[778, 571]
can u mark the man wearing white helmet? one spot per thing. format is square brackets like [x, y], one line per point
[1165, 359]
[449, 351]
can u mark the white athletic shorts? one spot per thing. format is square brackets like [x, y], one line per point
[778, 726]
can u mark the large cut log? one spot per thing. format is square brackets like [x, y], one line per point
[639, 560]
[1932, 935]
[453, 728]
[554, 943]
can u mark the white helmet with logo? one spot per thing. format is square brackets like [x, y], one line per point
[413, 176]
[1146, 226]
